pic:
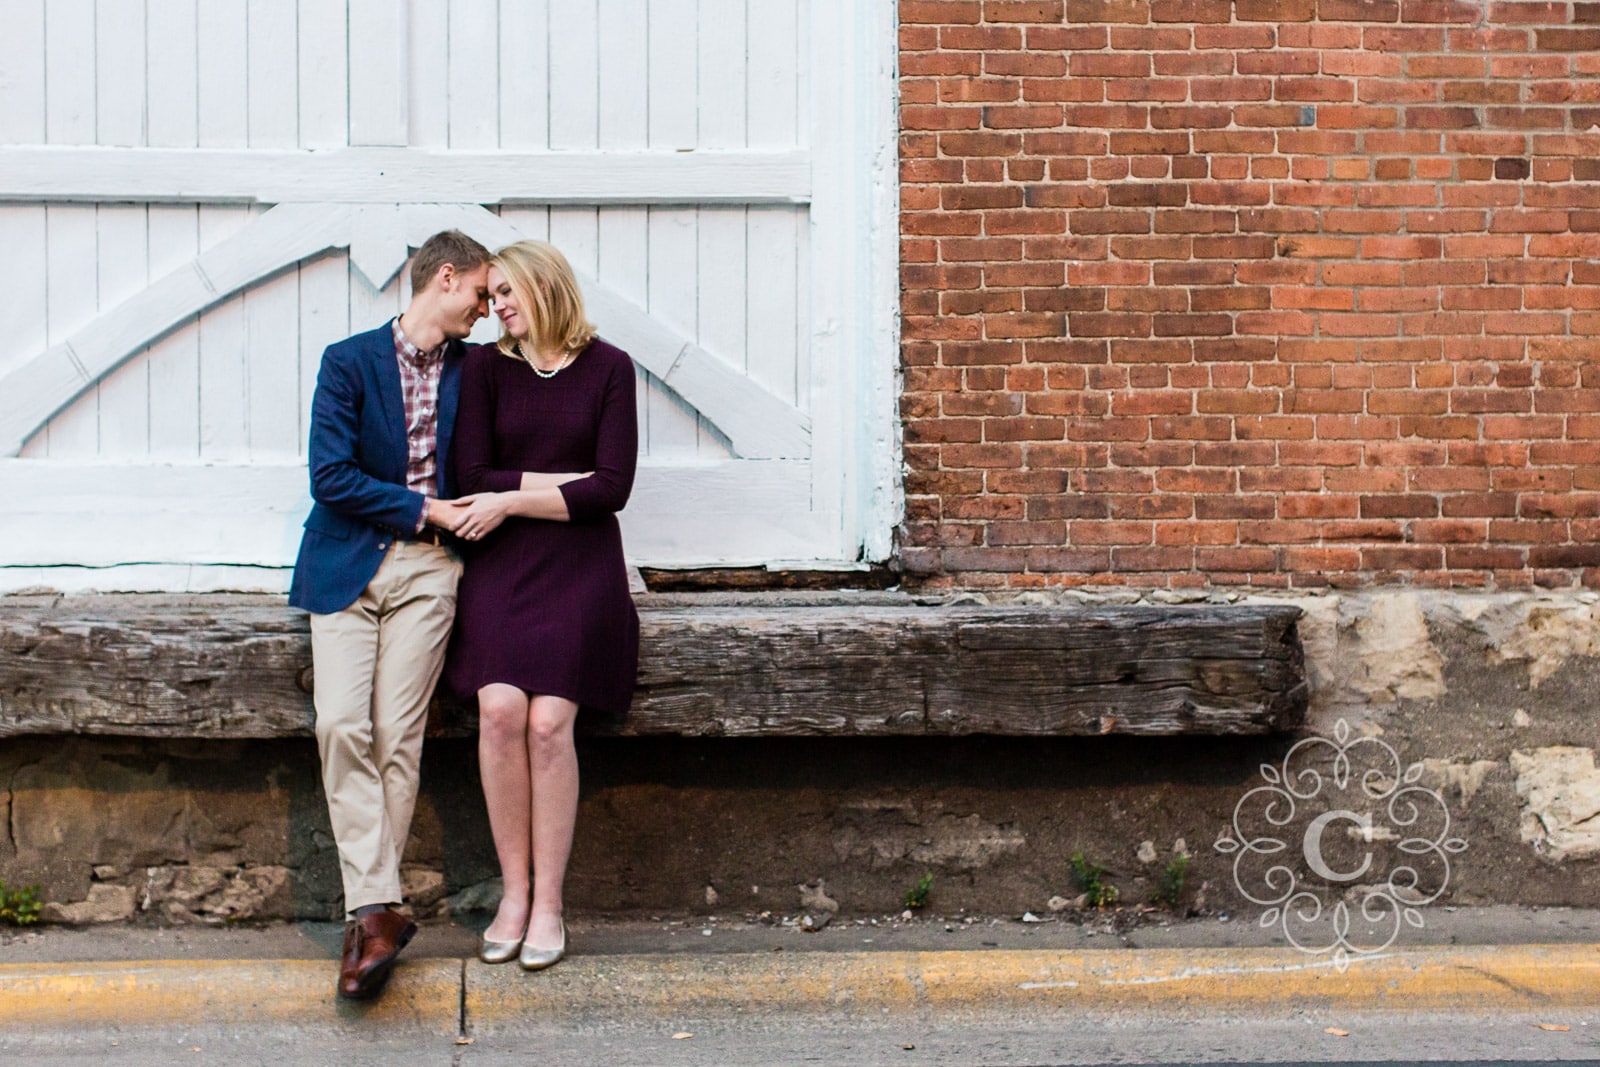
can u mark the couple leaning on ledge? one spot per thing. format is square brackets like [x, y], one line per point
[540, 433]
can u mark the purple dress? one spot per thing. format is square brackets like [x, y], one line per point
[544, 605]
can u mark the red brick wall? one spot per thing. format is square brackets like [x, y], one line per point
[1274, 292]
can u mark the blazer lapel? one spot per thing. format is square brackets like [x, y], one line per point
[391, 400]
[449, 393]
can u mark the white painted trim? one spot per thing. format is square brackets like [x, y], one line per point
[855, 263]
[64, 515]
[757, 424]
[36, 388]
[881, 492]
[401, 176]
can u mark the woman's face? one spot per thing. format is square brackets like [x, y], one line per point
[506, 305]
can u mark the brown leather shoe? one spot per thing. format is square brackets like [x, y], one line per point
[371, 944]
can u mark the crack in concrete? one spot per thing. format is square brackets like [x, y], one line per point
[463, 1040]
[1506, 983]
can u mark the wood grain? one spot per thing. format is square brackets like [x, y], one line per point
[232, 666]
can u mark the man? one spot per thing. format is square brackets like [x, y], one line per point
[379, 581]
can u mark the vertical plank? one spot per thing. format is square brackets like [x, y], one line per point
[573, 37]
[22, 73]
[69, 79]
[378, 85]
[271, 74]
[22, 235]
[673, 250]
[771, 285]
[428, 72]
[71, 297]
[223, 103]
[369, 307]
[623, 63]
[721, 288]
[524, 75]
[22, 228]
[673, 76]
[324, 319]
[575, 230]
[622, 264]
[174, 361]
[802, 311]
[773, 74]
[224, 430]
[324, 61]
[272, 308]
[119, 62]
[172, 89]
[172, 75]
[122, 260]
[272, 365]
[531, 221]
[474, 64]
[721, 85]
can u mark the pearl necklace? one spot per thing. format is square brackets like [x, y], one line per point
[540, 371]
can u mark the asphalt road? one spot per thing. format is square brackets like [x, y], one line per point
[991, 1042]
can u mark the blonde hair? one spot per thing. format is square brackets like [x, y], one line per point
[548, 295]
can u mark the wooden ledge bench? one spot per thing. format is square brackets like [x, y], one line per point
[725, 665]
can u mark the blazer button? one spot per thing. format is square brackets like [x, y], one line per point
[382, 545]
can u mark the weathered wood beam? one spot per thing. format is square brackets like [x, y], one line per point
[229, 667]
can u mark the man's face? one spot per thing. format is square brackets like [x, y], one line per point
[465, 299]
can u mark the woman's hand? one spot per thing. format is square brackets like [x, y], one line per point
[480, 513]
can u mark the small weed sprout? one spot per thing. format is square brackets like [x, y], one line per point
[917, 895]
[19, 907]
[1090, 880]
[1170, 888]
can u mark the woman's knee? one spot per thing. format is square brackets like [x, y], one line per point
[550, 725]
[502, 716]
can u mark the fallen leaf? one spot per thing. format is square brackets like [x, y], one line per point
[1553, 1026]
[465, 1040]
[908, 1048]
[681, 1034]
[1335, 1031]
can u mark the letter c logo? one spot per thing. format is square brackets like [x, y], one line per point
[1313, 845]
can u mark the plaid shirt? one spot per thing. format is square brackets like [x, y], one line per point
[419, 385]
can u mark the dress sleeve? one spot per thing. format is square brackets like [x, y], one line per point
[472, 445]
[616, 451]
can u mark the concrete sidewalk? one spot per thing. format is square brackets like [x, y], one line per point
[1496, 959]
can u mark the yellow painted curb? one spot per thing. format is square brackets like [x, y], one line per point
[429, 995]
[422, 995]
[1471, 978]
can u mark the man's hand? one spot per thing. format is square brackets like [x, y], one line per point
[444, 514]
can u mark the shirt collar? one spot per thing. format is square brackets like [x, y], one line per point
[411, 353]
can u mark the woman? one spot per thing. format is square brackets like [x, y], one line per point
[545, 441]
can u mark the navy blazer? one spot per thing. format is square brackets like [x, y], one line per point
[358, 467]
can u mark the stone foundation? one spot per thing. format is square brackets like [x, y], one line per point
[1492, 695]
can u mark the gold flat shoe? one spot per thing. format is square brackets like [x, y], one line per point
[490, 951]
[537, 959]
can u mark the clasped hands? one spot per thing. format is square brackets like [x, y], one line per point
[470, 517]
[475, 516]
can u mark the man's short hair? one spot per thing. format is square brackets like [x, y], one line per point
[446, 246]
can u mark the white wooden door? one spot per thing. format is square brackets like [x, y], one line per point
[196, 196]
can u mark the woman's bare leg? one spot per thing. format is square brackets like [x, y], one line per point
[504, 712]
[554, 811]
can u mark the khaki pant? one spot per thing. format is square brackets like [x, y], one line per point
[376, 664]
